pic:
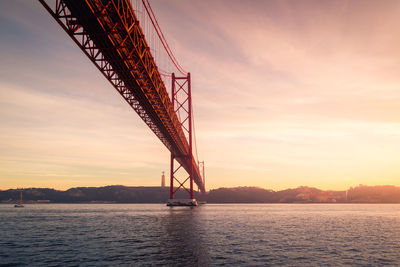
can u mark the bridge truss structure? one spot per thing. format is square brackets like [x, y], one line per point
[109, 33]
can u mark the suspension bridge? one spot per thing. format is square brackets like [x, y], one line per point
[123, 39]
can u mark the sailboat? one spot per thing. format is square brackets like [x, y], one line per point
[19, 205]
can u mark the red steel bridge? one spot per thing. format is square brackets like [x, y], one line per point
[124, 41]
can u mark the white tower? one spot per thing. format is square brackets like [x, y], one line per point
[163, 179]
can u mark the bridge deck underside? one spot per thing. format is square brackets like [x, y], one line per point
[116, 45]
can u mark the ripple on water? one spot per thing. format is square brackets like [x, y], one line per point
[234, 235]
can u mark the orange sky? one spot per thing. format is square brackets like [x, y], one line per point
[286, 93]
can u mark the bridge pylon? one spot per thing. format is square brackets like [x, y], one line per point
[109, 33]
[182, 106]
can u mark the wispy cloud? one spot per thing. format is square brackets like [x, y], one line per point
[285, 93]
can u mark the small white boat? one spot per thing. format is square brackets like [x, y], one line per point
[19, 205]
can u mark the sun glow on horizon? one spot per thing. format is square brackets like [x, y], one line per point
[286, 96]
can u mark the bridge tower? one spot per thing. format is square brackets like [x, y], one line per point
[109, 33]
[182, 105]
[203, 176]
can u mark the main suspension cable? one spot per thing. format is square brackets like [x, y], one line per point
[160, 34]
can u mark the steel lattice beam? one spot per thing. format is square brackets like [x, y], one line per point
[182, 101]
[109, 34]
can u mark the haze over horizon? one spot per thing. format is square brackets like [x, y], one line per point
[286, 94]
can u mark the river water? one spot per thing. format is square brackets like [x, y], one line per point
[208, 235]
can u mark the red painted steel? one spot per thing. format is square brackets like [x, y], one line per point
[160, 34]
[190, 135]
[203, 175]
[109, 34]
[182, 104]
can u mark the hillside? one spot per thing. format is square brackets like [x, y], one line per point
[124, 194]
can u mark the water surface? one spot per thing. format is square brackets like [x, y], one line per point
[209, 235]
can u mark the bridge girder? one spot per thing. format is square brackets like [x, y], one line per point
[109, 34]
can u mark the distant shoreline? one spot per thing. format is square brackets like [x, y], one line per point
[254, 203]
[239, 195]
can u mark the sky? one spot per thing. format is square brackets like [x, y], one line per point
[286, 93]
